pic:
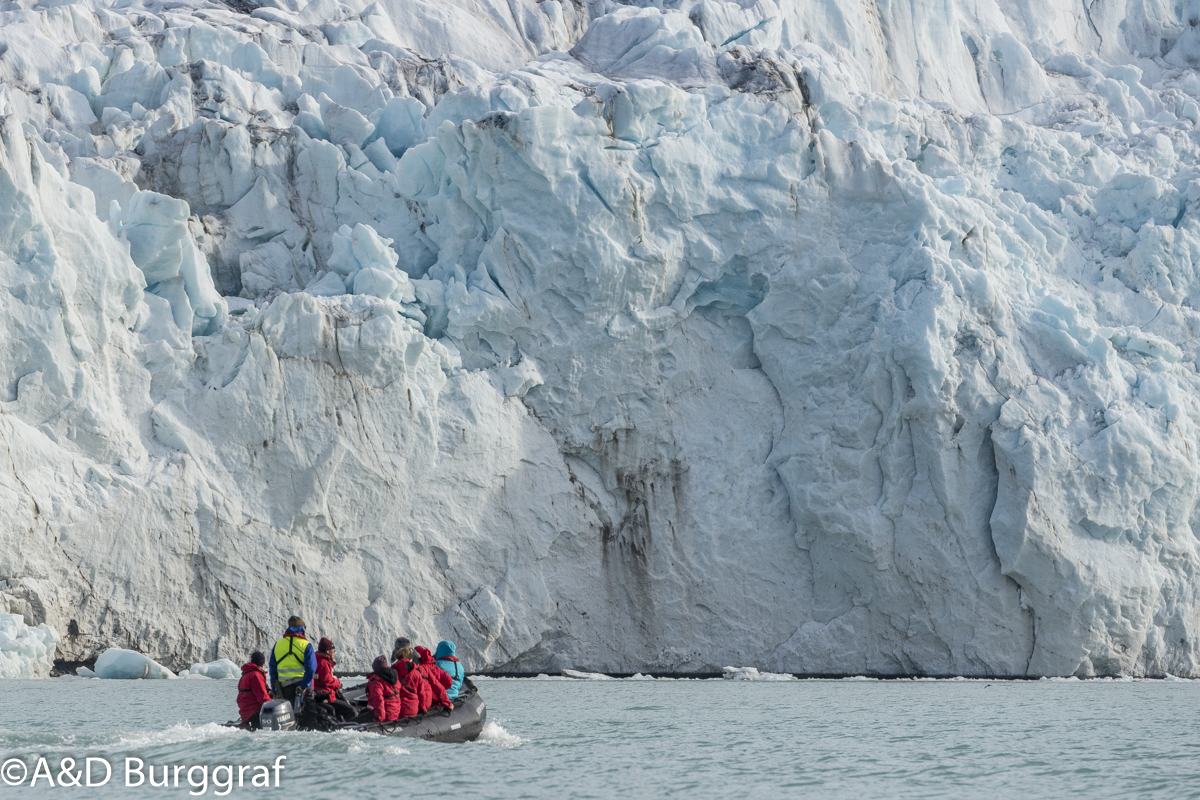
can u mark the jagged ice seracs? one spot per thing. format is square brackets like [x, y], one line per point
[824, 336]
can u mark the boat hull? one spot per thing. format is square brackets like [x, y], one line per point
[463, 724]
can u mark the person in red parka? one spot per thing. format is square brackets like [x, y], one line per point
[326, 682]
[252, 690]
[431, 671]
[433, 692]
[407, 687]
[381, 691]
[406, 667]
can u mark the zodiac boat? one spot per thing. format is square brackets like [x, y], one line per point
[462, 724]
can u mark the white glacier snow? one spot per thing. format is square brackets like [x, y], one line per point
[830, 337]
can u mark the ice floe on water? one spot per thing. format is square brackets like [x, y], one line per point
[221, 669]
[752, 674]
[586, 676]
[118, 664]
[26, 651]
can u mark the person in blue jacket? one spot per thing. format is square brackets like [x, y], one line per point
[451, 665]
[293, 662]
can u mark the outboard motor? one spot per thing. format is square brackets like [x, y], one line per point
[277, 715]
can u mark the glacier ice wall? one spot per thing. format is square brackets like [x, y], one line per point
[25, 651]
[831, 337]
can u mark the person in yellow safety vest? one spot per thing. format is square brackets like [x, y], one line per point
[293, 662]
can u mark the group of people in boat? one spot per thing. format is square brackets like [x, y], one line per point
[410, 683]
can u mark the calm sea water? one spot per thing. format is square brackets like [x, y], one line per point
[647, 739]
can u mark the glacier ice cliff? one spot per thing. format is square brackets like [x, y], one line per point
[825, 336]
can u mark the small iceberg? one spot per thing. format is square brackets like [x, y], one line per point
[585, 676]
[26, 652]
[221, 669]
[118, 664]
[752, 674]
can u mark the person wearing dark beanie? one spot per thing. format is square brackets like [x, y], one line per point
[293, 662]
[252, 690]
[326, 684]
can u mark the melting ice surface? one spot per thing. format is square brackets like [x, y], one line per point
[612, 739]
[611, 336]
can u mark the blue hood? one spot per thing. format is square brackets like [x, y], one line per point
[444, 649]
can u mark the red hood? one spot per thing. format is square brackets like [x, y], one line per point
[426, 656]
[325, 657]
[251, 667]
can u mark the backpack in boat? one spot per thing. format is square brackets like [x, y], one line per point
[317, 717]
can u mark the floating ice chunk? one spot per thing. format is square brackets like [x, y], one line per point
[26, 651]
[84, 672]
[752, 674]
[221, 669]
[586, 676]
[118, 664]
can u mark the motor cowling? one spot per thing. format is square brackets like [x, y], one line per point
[277, 715]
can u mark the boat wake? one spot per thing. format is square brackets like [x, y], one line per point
[495, 735]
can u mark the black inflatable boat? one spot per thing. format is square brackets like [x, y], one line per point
[462, 724]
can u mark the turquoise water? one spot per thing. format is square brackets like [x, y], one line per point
[693, 739]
